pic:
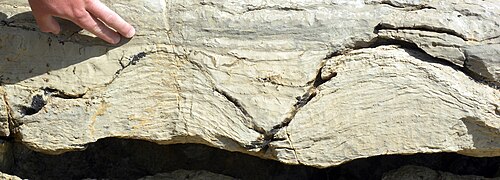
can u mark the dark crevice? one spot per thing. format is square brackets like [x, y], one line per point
[126, 62]
[497, 109]
[61, 94]
[290, 9]
[387, 26]
[407, 7]
[240, 107]
[11, 24]
[37, 103]
[409, 47]
[132, 60]
[132, 159]
[250, 9]
[237, 103]
[234, 101]
[417, 52]
[269, 136]
[273, 81]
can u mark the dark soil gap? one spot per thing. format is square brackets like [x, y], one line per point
[131, 159]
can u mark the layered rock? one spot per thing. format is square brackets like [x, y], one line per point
[8, 177]
[304, 82]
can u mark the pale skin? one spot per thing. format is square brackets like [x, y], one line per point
[91, 15]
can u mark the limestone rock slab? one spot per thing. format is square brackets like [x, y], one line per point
[234, 74]
[483, 59]
[8, 177]
[389, 100]
[449, 31]
[4, 114]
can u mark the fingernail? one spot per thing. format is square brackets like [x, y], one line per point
[130, 33]
[116, 39]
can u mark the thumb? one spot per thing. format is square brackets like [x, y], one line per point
[48, 24]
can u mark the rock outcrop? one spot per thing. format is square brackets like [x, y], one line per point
[8, 177]
[317, 83]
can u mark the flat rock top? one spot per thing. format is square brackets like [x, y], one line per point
[302, 82]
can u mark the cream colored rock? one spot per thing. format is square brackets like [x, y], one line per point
[8, 177]
[4, 114]
[228, 74]
[439, 45]
[389, 100]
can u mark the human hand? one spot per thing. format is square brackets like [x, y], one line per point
[91, 15]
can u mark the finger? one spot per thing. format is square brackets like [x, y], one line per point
[48, 24]
[96, 27]
[113, 20]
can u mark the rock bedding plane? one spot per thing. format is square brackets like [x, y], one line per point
[310, 82]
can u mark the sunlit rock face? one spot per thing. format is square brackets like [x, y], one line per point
[316, 83]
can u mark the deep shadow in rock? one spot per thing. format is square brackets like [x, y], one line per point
[26, 52]
[130, 159]
[415, 51]
[3, 16]
[484, 136]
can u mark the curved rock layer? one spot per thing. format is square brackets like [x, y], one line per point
[318, 83]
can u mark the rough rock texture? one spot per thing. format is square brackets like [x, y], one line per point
[317, 83]
[422, 173]
[8, 177]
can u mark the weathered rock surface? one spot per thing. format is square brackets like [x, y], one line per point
[304, 82]
[418, 172]
[8, 177]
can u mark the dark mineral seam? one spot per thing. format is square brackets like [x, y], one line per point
[37, 103]
[382, 26]
[269, 136]
[12, 25]
[277, 8]
[407, 7]
[412, 46]
[226, 95]
[132, 60]
[256, 8]
[60, 39]
[233, 100]
[61, 94]
[492, 38]
[271, 81]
